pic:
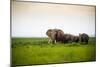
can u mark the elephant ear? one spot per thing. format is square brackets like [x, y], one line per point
[80, 34]
[48, 33]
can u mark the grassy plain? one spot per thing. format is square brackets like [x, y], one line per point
[26, 51]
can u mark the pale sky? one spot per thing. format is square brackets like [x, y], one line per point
[31, 19]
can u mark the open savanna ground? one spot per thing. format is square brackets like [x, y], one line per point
[34, 51]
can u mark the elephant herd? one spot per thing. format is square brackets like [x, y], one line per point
[57, 35]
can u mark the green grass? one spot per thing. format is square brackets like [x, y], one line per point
[38, 51]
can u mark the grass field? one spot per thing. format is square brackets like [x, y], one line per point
[38, 51]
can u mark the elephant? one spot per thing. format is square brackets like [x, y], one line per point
[69, 38]
[66, 38]
[54, 35]
[76, 39]
[59, 35]
[83, 38]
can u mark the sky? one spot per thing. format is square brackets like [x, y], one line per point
[31, 19]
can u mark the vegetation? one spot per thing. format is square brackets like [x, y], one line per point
[27, 51]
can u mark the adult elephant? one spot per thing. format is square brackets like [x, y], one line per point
[59, 35]
[83, 38]
[54, 35]
[68, 38]
[76, 39]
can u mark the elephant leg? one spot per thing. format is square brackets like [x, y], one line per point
[86, 41]
[53, 41]
[49, 41]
